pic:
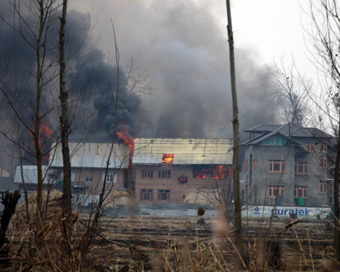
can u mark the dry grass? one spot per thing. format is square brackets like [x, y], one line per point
[147, 243]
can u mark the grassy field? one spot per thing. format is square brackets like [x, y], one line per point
[155, 243]
[179, 243]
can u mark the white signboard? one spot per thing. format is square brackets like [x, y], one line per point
[285, 211]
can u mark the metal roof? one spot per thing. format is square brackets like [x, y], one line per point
[293, 130]
[263, 128]
[186, 151]
[30, 174]
[288, 130]
[92, 155]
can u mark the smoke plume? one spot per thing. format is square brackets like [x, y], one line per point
[183, 48]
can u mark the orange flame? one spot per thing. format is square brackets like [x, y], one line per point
[45, 134]
[124, 135]
[221, 172]
[200, 174]
[182, 179]
[168, 158]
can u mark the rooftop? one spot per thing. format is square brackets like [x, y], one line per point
[185, 151]
[288, 130]
[92, 155]
[29, 172]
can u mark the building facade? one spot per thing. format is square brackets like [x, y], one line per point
[27, 177]
[285, 164]
[88, 162]
[165, 169]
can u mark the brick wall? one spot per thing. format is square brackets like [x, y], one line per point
[167, 189]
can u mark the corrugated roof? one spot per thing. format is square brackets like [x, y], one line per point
[288, 130]
[186, 151]
[30, 174]
[92, 155]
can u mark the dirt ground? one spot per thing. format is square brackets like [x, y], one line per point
[306, 243]
[138, 242]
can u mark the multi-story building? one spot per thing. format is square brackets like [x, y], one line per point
[165, 169]
[89, 163]
[286, 163]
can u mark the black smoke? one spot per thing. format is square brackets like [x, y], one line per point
[181, 45]
[100, 100]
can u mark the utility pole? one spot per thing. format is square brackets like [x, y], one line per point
[236, 148]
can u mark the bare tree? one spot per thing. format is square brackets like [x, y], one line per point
[325, 36]
[27, 101]
[236, 148]
[291, 93]
[64, 122]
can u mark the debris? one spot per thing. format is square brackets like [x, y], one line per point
[200, 211]
[290, 224]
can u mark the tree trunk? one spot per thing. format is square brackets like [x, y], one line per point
[39, 78]
[64, 121]
[236, 148]
[336, 200]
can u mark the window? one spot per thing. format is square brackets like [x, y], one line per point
[182, 179]
[323, 162]
[220, 172]
[301, 168]
[310, 147]
[246, 166]
[322, 187]
[323, 148]
[164, 174]
[147, 174]
[200, 174]
[276, 166]
[88, 179]
[146, 194]
[163, 194]
[168, 158]
[254, 166]
[300, 191]
[274, 191]
[275, 140]
[111, 177]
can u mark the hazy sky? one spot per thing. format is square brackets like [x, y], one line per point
[271, 28]
[274, 28]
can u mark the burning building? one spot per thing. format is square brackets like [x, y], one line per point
[165, 169]
[156, 170]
